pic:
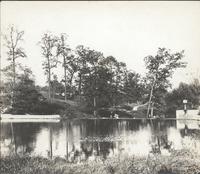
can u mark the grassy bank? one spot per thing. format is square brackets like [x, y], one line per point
[180, 162]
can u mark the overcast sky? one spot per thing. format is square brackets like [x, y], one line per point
[128, 30]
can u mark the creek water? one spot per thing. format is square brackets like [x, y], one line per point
[91, 139]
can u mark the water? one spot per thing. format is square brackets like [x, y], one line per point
[87, 139]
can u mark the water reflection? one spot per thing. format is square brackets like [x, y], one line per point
[79, 140]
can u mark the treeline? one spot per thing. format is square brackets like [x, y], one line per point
[102, 81]
[89, 76]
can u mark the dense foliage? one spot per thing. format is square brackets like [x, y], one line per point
[160, 69]
[191, 92]
[27, 99]
[93, 80]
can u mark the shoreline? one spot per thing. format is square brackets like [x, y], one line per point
[12, 117]
[28, 116]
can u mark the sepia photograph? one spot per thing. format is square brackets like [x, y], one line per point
[100, 87]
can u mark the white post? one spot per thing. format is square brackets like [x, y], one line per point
[185, 105]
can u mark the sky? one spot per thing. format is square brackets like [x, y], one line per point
[129, 30]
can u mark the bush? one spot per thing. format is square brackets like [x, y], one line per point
[179, 162]
[47, 108]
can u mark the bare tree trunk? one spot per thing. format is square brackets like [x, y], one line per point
[53, 91]
[49, 82]
[65, 86]
[152, 109]
[72, 75]
[14, 72]
[150, 98]
[95, 88]
[95, 112]
[14, 79]
[80, 81]
[65, 77]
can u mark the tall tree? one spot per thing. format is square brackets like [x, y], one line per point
[115, 69]
[96, 88]
[133, 87]
[68, 58]
[160, 68]
[94, 58]
[120, 79]
[49, 45]
[82, 64]
[72, 68]
[14, 51]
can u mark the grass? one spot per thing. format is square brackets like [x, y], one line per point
[180, 162]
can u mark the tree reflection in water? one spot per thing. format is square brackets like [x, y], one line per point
[80, 140]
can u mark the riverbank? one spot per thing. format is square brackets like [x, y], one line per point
[46, 111]
[179, 162]
[28, 116]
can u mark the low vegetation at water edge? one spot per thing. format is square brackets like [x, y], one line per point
[179, 162]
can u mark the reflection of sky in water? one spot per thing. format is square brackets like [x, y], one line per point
[85, 140]
[174, 136]
[42, 143]
[134, 142]
[189, 123]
